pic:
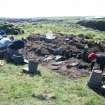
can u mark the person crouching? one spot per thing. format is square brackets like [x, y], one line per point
[98, 58]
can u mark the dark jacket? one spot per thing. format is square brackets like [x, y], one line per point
[16, 44]
[100, 60]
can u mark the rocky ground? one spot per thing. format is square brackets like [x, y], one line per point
[63, 54]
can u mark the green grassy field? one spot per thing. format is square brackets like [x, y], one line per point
[17, 88]
[64, 28]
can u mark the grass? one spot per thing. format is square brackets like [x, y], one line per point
[65, 28]
[17, 88]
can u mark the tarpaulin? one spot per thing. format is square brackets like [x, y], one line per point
[4, 42]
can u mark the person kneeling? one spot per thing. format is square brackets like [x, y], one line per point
[98, 58]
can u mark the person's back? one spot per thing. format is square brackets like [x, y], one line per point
[100, 58]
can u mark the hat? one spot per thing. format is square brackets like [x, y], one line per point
[91, 56]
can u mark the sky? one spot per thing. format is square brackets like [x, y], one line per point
[49, 8]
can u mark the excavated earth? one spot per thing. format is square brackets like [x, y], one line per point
[62, 54]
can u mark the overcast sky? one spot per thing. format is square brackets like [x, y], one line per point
[48, 8]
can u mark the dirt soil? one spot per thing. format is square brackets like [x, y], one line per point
[62, 54]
